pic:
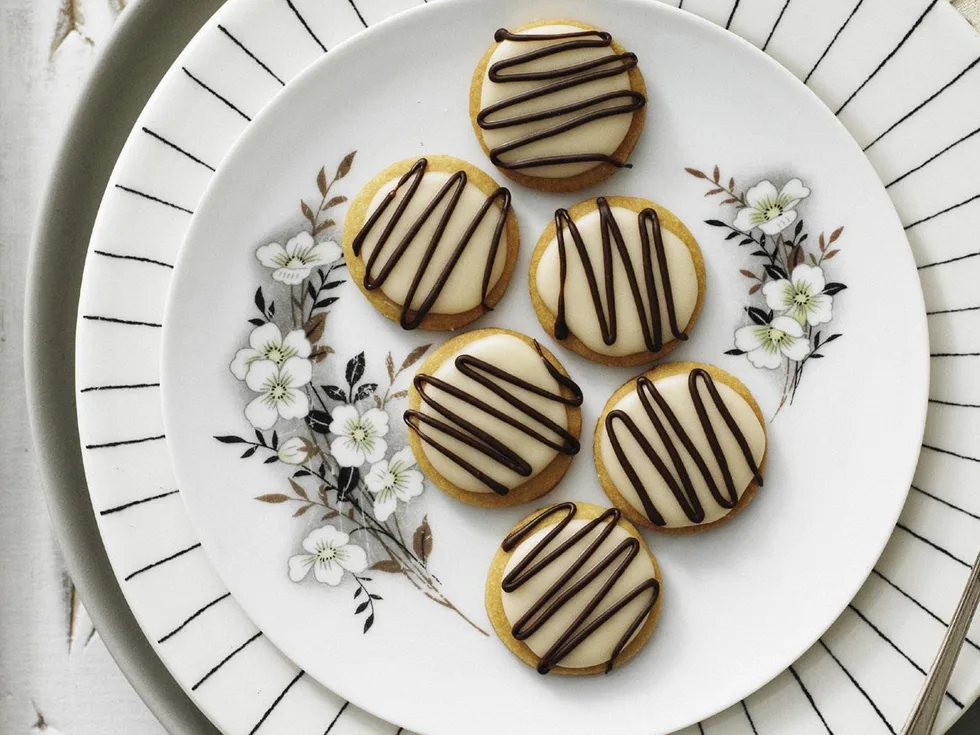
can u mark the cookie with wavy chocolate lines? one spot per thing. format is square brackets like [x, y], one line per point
[557, 105]
[432, 242]
[573, 589]
[494, 419]
[682, 448]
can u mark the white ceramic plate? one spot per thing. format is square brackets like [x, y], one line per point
[904, 78]
[740, 604]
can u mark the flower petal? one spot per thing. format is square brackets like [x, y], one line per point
[788, 325]
[409, 485]
[750, 338]
[352, 558]
[328, 572]
[293, 405]
[795, 349]
[261, 412]
[347, 452]
[761, 195]
[327, 535]
[299, 244]
[272, 255]
[243, 360]
[377, 419]
[260, 374]
[779, 294]
[765, 357]
[296, 342]
[791, 193]
[773, 226]
[745, 219]
[375, 448]
[809, 278]
[375, 478]
[328, 251]
[385, 504]
[290, 276]
[402, 460]
[293, 451]
[342, 416]
[299, 567]
[296, 372]
[265, 336]
[821, 309]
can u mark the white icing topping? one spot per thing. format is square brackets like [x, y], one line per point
[580, 313]
[675, 391]
[599, 136]
[520, 359]
[463, 291]
[597, 648]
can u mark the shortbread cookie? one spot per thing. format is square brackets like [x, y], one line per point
[682, 448]
[557, 105]
[432, 242]
[494, 419]
[573, 589]
[599, 267]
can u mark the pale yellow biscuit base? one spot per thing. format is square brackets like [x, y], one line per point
[658, 373]
[503, 627]
[584, 180]
[357, 215]
[535, 487]
[547, 318]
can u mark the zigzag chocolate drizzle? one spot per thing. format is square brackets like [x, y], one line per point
[565, 588]
[476, 437]
[683, 490]
[558, 79]
[453, 188]
[650, 321]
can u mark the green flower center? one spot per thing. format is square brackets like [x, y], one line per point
[359, 434]
[276, 355]
[295, 262]
[777, 337]
[326, 553]
[278, 391]
[772, 212]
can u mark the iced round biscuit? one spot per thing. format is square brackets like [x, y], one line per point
[547, 594]
[432, 242]
[494, 419]
[682, 448]
[619, 280]
[557, 105]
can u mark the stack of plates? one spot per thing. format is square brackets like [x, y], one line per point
[270, 91]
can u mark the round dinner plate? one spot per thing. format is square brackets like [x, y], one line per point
[902, 76]
[740, 603]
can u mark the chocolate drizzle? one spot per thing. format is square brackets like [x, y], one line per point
[600, 106]
[474, 436]
[568, 585]
[650, 321]
[453, 189]
[683, 490]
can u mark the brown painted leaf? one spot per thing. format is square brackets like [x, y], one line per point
[799, 257]
[298, 489]
[301, 511]
[377, 401]
[314, 327]
[730, 200]
[831, 254]
[307, 212]
[422, 540]
[321, 182]
[334, 201]
[713, 192]
[390, 364]
[70, 20]
[755, 288]
[717, 175]
[387, 565]
[836, 233]
[398, 395]
[822, 243]
[731, 185]
[344, 168]
[749, 274]
[330, 515]
[813, 259]
[321, 352]
[697, 174]
[273, 498]
[323, 225]
[413, 356]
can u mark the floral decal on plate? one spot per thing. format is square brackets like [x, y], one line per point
[789, 323]
[332, 439]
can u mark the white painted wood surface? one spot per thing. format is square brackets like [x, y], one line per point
[55, 674]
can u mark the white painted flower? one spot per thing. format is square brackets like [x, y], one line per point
[801, 296]
[766, 344]
[280, 388]
[769, 210]
[295, 450]
[358, 438]
[267, 343]
[329, 553]
[393, 480]
[294, 262]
